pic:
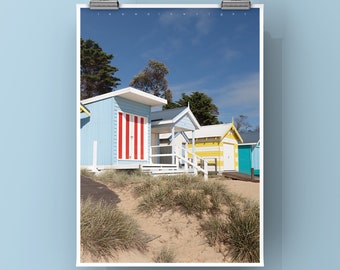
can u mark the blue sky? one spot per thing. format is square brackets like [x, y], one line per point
[206, 50]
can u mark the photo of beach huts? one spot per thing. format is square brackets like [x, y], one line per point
[170, 136]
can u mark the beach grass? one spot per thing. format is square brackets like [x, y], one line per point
[165, 255]
[226, 219]
[239, 231]
[104, 229]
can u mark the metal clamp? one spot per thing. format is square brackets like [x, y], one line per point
[235, 4]
[104, 4]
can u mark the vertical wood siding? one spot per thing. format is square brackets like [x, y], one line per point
[98, 128]
[131, 134]
[256, 159]
[185, 123]
[249, 157]
[141, 128]
[102, 126]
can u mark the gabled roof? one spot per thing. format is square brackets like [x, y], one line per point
[212, 130]
[166, 115]
[172, 116]
[130, 93]
[216, 131]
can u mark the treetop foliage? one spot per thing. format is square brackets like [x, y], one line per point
[152, 79]
[97, 74]
[202, 106]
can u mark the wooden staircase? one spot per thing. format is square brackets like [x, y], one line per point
[180, 162]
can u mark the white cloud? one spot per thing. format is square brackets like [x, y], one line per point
[188, 87]
[244, 92]
[187, 23]
[230, 54]
[203, 25]
[238, 97]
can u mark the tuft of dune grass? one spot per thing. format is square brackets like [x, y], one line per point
[189, 194]
[165, 255]
[105, 229]
[229, 220]
[239, 232]
[117, 178]
[243, 232]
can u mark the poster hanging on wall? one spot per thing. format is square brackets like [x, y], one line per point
[169, 136]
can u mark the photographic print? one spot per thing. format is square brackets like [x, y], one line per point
[170, 136]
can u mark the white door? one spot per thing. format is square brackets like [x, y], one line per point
[228, 154]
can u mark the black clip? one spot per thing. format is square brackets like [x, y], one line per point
[104, 4]
[235, 4]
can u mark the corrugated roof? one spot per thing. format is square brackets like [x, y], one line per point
[166, 114]
[250, 136]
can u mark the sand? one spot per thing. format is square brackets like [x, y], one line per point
[173, 230]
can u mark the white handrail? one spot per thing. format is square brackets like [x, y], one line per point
[195, 157]
[177, 155]
[204, 170]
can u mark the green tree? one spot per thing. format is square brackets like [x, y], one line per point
[152, 79]
[202, 106]
[170, 104]
[97, 74]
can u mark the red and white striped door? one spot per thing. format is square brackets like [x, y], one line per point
[132, 130]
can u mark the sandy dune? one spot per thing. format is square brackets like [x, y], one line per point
[174, 230]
